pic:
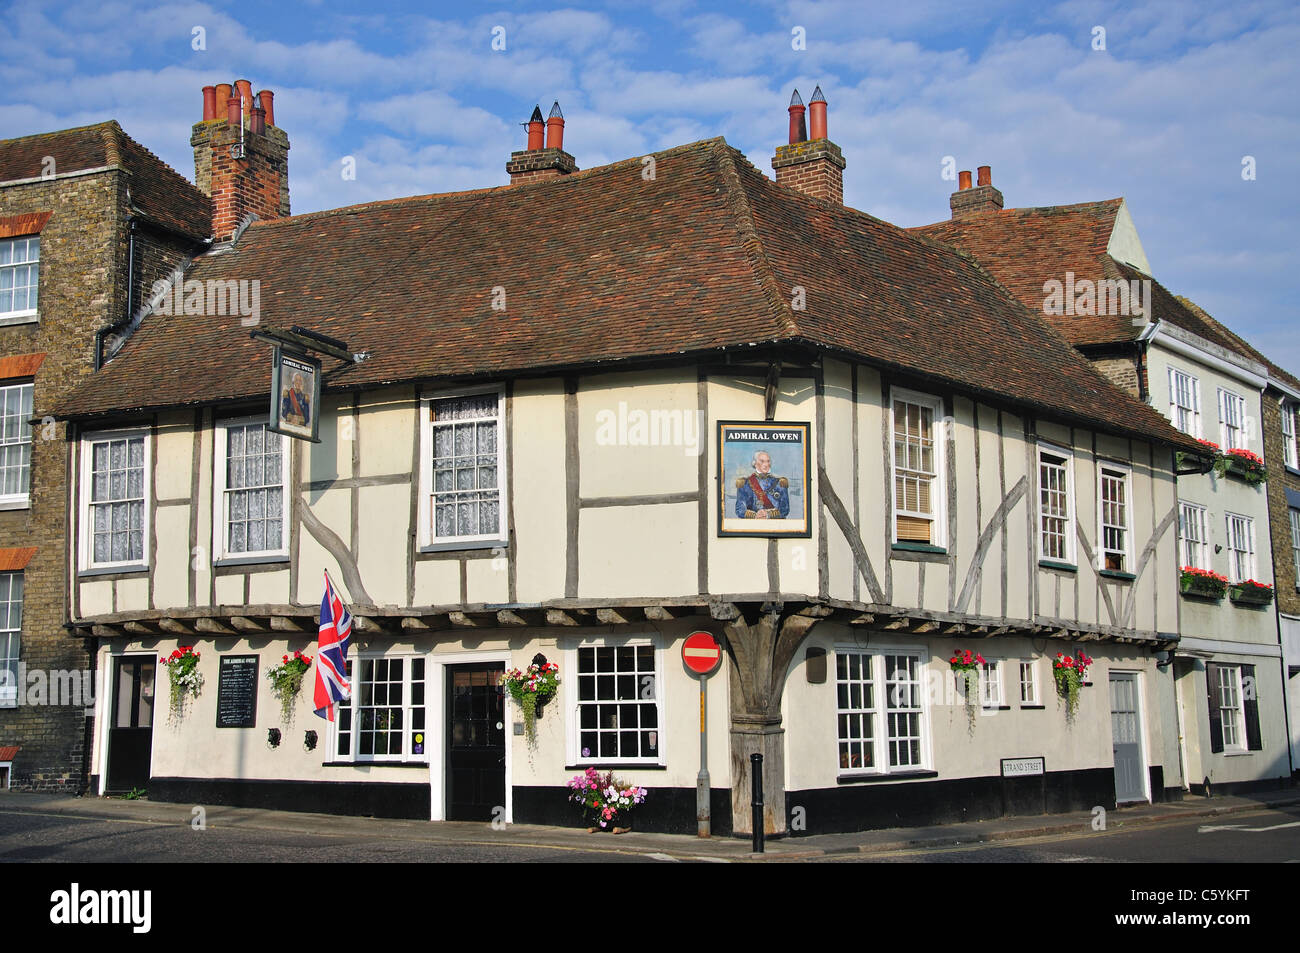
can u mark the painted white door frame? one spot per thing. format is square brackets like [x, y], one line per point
[436, 690]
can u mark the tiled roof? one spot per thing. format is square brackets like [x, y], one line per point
[158, 191]
[604, 266]
[1275, 371]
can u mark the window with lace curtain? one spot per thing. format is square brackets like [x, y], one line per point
[115, 486]
[463, 472]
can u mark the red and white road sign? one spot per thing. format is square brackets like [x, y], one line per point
[701, 653]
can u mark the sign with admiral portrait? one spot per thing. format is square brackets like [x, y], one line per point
[764, 481]
[295, 395]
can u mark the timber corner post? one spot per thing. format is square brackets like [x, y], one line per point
[761, 642]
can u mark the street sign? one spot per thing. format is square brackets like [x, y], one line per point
[701, 653]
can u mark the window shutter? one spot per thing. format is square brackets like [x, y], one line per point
[1216, 716]
[1250, 707]
[913, 530]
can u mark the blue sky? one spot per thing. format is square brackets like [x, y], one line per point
[1163, 115]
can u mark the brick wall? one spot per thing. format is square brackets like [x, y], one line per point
[1279, 480]
[814, 167]
[1120, 371]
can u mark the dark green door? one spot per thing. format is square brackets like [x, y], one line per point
[130, 735]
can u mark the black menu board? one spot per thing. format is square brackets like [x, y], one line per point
[237, 691]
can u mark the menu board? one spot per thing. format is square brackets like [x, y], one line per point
[237, 691]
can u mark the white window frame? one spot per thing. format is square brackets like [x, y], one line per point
[1240, 529]
[23, 315]
[1289, 447]
[883, 707]
[220, 512]
[428, 542]
[25, 392]
[11, 638]
[1126, 471]
[85, 512]
[1232, 433]
[1030, 698]
[1068, 466]
[353, 706]
[992, 684]
[1232, 715]
[938, 487]
[1194, 548]
[1185, 385]
[573, 701]
[1294, 514]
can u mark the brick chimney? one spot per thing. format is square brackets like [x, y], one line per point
[967, 201]
[241, 158]
[813, 165]
[540, 161]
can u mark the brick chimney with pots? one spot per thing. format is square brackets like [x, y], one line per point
[241, 158]
[542, 161]
[984, 198]
[813, 165]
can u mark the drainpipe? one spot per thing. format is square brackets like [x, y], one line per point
[130, 289]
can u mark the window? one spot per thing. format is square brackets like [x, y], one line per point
[1055, 505]
[619, 711]
[464, 466]
[1114, 518]
[1195, 540]
[1289, 447]
[115, 484]
[19, 271]
[15, 444]
[1295, 543]
[991, 685]
[1185, 402]
[918, 463]
[1232, 420]
[879, 732]
[250, 499]
[1241, 548]
[1229, 677]
[1028, 685]
[11, 623]
[386, 711]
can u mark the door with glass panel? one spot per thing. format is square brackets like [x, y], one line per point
[476, 741]
[1126, 737]
[130, 735]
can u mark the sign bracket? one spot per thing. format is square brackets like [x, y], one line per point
[303, 339]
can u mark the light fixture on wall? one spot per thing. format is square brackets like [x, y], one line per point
[309, 740]
[273, 737]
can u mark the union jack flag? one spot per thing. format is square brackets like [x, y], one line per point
[332, 684]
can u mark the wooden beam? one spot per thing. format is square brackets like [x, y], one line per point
[864, 618]
[212, 626]
[243, 624]
[724, 611]
[107, 631]
[510, 617]
[139, 628]
[559, 617]
[956, 628]
[900, 623]
[659, 613]
[284, 623]
[176, 626]
[613, 617]
[924, 627]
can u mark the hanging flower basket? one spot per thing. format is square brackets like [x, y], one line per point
[186, 680]
[1070, 672]
[531, 687]
[606, 801]
[1203, 583]
[286, 681]
[1244, 464]
[965, 666]
[1251, 593]
[1211, 450]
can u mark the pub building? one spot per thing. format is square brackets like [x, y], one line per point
[583, 416]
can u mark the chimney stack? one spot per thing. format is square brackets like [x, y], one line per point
[241, 159]
[814, 166]
[542, 161]
[980, 200]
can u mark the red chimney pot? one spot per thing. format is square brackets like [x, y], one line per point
[817, 115]
[555, 128]
[246, 93]
[209, 103]
[266, 97]
[985, 175]
[232, 110]
[536, 126]
[963, 180]
[223, 93]
[798, 133]
[257, 121]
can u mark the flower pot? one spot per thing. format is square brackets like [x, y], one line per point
[1201, 588]
[1250, 595]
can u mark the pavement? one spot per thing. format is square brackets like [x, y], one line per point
[660, 846]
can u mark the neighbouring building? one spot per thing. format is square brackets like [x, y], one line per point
[87, 218]
[1084, 269]
[598, 411]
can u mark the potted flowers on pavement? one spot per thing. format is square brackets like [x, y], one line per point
[1251, 593]
[606, 801]
[183, 673]
[1242, 463]
[286, 681]
[1205, 583]
[1070, 672]
[530, 688]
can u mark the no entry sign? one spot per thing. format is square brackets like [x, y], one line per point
[701, 653]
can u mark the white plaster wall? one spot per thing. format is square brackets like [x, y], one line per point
[538, 490]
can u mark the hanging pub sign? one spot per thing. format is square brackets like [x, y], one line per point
[295, 395]
[764, 483]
